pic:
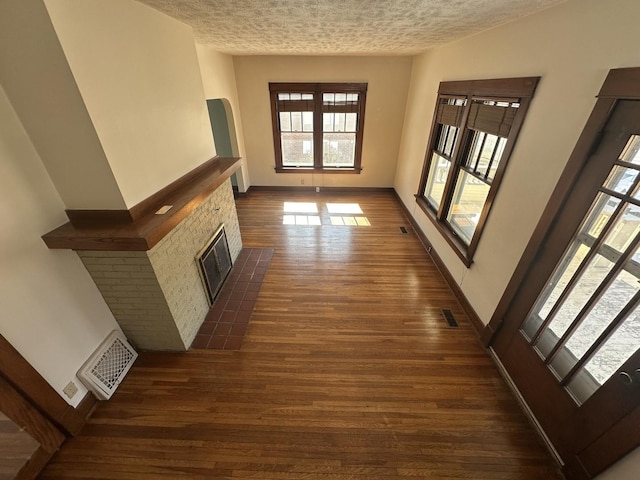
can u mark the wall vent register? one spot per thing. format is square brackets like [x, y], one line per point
[108, 365]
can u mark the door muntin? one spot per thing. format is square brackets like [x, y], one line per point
[586, 323]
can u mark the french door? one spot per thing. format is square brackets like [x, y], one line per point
[570, 338]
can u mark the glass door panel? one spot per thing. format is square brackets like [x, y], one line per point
[590, 279]
[618, 348]
[574, 261]
[586, 322]
[568, 326]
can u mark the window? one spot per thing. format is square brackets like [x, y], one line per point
[318, 126]
[474, 129]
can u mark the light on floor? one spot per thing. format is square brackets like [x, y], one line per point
[344, 208]
[300, 207]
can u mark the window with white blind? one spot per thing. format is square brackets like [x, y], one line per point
[318, 126]
[475, 127]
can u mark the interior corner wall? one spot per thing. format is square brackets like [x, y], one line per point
[388, 81]
[572, 47]
[52, 313]
[219, 80]
[138, 74]
[36, 77]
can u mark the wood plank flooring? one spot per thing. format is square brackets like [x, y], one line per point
[16, 447]
[348, 370]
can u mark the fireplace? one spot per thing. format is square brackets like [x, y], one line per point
[214, 262]
[142, 259]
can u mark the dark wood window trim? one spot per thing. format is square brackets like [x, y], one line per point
[470, 95]
[316, 106]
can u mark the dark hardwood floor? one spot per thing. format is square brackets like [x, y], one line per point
[16, 447]
[348, 370]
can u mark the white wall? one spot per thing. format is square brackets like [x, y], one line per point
[219, 80]
[387, 78]
[36, 76]
[572, 47]
[138, 74]
[628, 468]
[52, 312]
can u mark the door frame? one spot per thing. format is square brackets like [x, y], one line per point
[30, 402]
[25, 415]
[34, 388]
[620, 84]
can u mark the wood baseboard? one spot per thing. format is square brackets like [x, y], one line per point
[86, 408]
[34, 465]
[32, 468]
[312, 189]
[524, 406]
[481, 329]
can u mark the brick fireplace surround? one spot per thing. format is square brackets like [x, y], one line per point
[144, 264]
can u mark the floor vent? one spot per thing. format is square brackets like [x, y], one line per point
[107, 367]
[448, 316]
[403, 230]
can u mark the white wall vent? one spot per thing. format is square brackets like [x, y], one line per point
[107, 367]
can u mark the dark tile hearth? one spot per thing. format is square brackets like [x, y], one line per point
[228, 319]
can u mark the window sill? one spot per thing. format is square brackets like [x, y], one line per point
[317, 170]
[456, 244]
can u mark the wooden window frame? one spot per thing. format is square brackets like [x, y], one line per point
[317, 89]
[518, 90]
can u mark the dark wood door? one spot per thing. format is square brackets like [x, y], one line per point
[30, 423]
[29, 405]
[571, 337]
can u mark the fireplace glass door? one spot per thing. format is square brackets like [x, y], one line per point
[214, 261]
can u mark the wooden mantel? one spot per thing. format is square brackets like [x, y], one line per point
[140, 228]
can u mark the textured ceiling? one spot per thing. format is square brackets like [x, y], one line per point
[340, 27]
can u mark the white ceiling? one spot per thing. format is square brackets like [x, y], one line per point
[340, 27]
